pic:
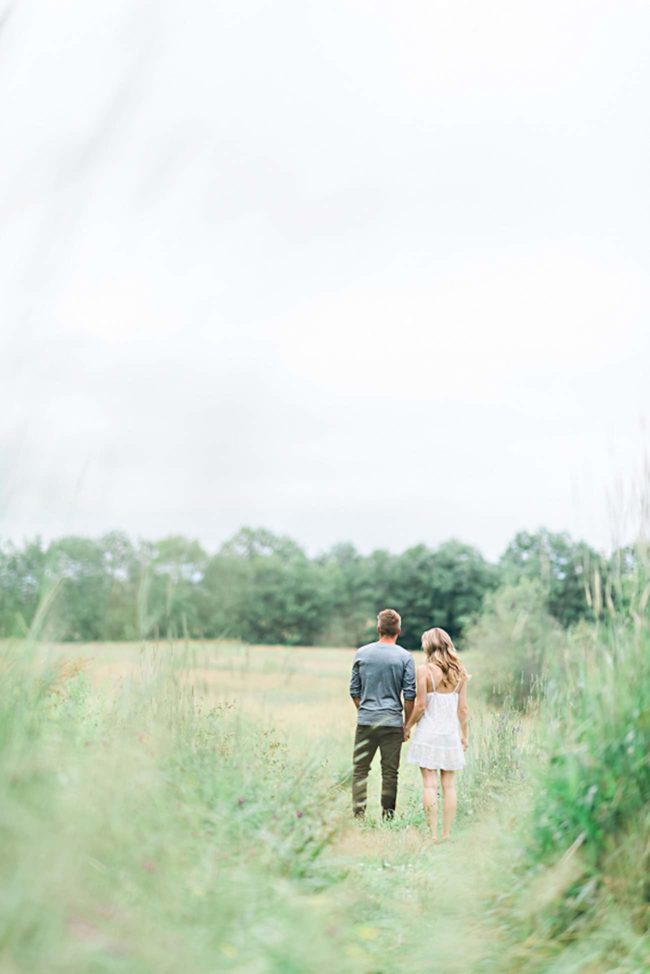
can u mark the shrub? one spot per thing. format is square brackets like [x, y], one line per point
[596, 784]
[495, 759]
[578, 895]
[513, 636]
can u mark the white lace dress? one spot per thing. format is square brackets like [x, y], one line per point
[435, 741]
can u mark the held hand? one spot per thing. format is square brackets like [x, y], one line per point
[464, 742]
[407, 733]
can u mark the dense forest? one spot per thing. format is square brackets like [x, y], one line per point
[263, 588]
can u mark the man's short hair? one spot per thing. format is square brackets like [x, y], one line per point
[389, 622]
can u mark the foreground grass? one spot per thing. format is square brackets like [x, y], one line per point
[187, 808]
[150, 830]
[581, 902]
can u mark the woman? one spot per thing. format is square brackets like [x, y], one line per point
[440, 738]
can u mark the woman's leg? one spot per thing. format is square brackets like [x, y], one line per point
[430, 799]
[448, 784]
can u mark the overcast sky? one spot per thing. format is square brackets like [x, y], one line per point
[348, 269]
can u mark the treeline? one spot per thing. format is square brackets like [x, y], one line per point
[263, 588]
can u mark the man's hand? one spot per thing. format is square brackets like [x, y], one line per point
[407, 733]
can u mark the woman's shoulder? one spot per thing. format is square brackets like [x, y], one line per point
[424, 672]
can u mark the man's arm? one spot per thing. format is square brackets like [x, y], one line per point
[420, 703]
[408, 710]
[409, 693]
[355, 684]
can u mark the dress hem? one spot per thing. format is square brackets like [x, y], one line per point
[436, 758]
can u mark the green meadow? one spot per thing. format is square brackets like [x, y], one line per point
[185, 807]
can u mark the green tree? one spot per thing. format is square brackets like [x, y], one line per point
[122, 568]
[22, 574]
[172, 577]
[266, 590]
[442, 587]
[574, 576]
[349, 591]
[628, 591]
[77, 565]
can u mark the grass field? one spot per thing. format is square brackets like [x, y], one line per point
[186, 807]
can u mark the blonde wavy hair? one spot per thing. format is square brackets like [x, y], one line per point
[439, 649]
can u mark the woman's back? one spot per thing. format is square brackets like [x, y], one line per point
[442, 702]
[440, 682]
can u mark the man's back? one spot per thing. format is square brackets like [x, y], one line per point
[380, 674]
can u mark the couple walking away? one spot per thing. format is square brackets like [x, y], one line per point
[434, 708]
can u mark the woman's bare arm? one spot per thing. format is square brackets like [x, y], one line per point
[463, 714]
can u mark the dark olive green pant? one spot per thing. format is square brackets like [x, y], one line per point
[367, 740]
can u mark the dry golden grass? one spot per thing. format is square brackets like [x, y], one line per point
[301, 691]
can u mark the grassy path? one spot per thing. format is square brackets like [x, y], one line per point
[422, 907]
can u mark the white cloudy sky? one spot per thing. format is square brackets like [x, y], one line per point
[349, 269]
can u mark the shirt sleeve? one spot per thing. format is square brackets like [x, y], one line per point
[355, 680]
[408, 679]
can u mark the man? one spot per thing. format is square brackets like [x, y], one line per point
[382, 672]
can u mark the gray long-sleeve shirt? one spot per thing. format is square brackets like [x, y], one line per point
[381, 673]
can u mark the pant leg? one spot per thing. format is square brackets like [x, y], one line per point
[390, 747]
[365, 746]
